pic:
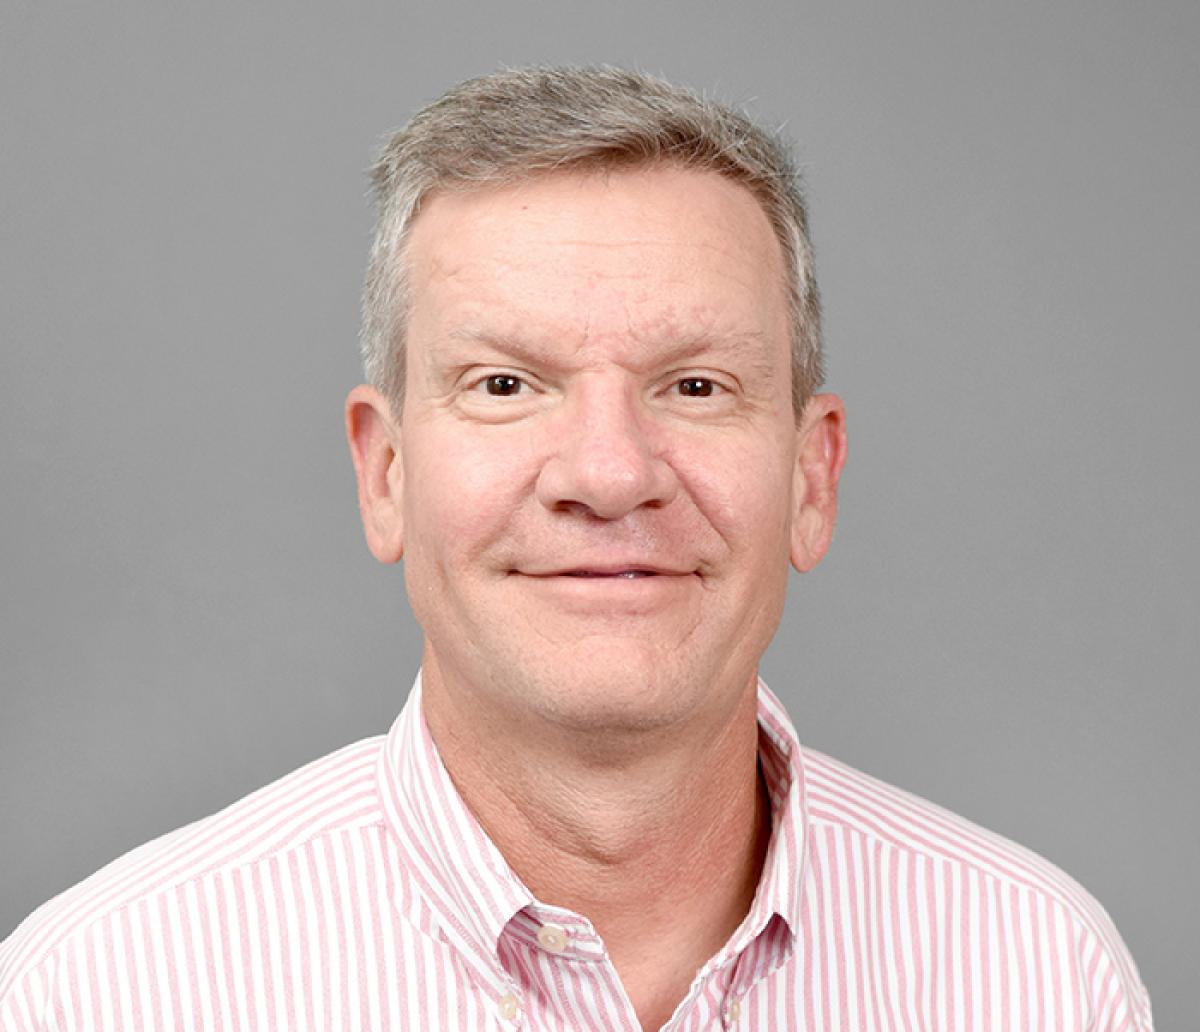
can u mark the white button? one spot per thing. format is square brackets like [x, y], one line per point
[552, 938]
[508, 1006]
[735, 1009]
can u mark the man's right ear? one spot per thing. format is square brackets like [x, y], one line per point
[374, 438]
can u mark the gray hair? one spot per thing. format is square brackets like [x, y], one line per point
[519, 123]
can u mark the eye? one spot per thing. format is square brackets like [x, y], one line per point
[697, 387]
[502, 385]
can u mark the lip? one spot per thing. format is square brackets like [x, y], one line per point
[600, 592]
[603, 570]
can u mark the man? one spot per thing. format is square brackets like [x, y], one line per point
[594, 435]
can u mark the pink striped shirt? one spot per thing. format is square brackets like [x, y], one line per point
[360, 893]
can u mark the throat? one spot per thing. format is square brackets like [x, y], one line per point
[661, 848]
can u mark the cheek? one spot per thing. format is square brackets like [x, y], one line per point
[461, 491]
[744, 493]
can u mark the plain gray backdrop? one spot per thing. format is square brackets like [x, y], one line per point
[1004, 205]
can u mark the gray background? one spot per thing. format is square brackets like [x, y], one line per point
[1006, 219]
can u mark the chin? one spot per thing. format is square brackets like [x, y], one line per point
[599, 683]
[614, 698]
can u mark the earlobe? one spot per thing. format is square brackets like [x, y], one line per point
[374, 440]
[820, 456]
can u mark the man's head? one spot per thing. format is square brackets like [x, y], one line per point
[517, 124]
[599, 471]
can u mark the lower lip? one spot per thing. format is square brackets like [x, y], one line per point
[624, 593]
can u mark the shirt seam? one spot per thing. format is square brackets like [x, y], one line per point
[54, 949]
[1079, 919]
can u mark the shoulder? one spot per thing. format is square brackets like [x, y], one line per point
[839, 795]
[337, 793]
[967, 876]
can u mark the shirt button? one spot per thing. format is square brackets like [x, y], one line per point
[735, 1010]
[552, 938]
[508, 1006]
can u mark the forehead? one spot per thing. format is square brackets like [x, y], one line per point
[598, 256]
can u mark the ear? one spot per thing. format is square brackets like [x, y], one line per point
[374, 439]
[820, 455]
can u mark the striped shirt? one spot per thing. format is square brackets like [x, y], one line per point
[360, 893]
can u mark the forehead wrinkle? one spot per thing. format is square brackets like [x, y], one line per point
[510, 254]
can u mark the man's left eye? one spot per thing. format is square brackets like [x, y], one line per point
[697, 387]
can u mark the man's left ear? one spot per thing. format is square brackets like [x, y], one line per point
[820, 455]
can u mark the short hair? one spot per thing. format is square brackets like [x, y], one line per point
[520, 123]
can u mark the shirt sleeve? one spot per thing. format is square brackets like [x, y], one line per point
[1116, 998]
[26, 1005]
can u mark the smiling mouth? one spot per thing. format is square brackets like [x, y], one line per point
[630, 568]
[623, 574]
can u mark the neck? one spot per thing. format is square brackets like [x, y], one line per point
[631, 838]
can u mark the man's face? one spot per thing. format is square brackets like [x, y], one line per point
[598, 453]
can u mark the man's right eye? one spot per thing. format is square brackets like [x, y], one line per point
[501, 385]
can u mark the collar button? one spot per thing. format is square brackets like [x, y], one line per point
[552, 937]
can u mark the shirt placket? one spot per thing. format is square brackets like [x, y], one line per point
[563, 975]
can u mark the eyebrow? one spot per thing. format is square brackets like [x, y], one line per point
[753, 345]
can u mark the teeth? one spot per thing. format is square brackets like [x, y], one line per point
[627, 574]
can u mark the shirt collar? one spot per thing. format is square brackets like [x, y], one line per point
[780, 886]
[462, 876]
[474, 894]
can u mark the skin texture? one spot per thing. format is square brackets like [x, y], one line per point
[599, 384]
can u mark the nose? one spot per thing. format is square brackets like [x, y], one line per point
[603, 460]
